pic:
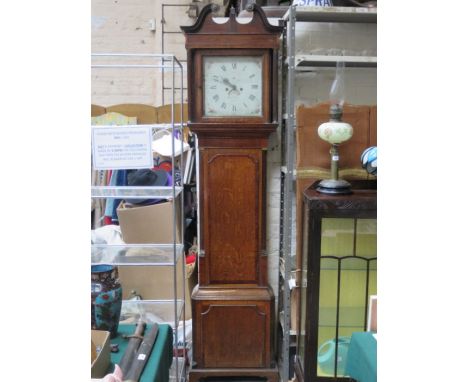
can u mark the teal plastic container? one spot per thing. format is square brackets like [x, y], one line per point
[326, 355]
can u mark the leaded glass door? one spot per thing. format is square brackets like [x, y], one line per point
[338, 276]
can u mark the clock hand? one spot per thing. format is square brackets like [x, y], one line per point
[228, 83]
[233, 87]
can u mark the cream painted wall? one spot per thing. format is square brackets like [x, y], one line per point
[124, 26]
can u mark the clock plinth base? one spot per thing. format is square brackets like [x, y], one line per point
[232, 327]
[269, 375]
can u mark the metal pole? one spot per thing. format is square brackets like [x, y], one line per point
[174, 224]
[182, 172]
[288, 192]
[164, 32]
[162, 50]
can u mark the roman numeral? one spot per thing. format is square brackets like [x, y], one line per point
[223, 105]
[251, 97]
[234, 65]
[233, 108]
[213, 87]
[223, 68]
[252, 76]
[254, 86]
[216, 97]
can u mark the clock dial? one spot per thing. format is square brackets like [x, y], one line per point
[232, 86]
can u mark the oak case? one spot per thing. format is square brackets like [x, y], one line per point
[233, 305]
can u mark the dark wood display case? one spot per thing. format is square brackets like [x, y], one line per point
[339, 273]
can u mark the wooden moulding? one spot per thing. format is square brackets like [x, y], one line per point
[205, 25]
[228, 130]
[232, 292]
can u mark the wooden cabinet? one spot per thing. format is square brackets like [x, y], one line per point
[339, 273]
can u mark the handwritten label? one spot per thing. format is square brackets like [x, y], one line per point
[313, 3]
[121, 148]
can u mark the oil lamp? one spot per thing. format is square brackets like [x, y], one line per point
[335, 132]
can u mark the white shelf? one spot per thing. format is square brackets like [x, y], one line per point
[127, 60]
[125, 192]
[151, 311]
[159, 126]
[335, 14]
[307, 61]
[135, 254]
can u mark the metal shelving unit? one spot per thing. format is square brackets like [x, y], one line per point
[165, 33]
[291, 65]
[152, 311]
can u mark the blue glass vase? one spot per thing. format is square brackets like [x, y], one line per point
[106, 298]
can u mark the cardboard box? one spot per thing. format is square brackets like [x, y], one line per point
[153, 224]
[101, 339]
[157, 283]
[149, 224]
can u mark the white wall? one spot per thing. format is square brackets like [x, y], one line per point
[123, 26]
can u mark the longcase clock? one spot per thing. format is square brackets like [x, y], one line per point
[232, 90]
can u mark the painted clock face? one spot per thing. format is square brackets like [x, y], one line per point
[232, 86]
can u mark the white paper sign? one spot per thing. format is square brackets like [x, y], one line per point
[121, 148]
[313, 3]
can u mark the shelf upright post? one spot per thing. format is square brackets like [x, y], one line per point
[288, 188]
[182, 209]
[174, 221]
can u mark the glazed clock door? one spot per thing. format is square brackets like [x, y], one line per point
[232, 86]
